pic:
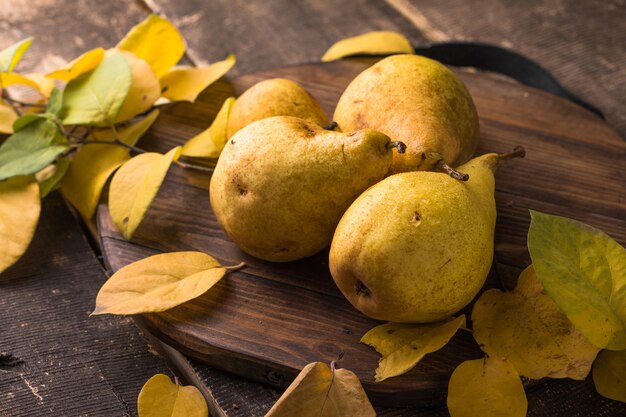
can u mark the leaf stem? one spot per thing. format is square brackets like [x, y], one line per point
[193, 166]
[11, 100]
[235, 267]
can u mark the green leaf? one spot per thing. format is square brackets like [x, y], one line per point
[50, 177]
[10, 56]
[584, 271]
[23, 121]
[31, 149]
[96, 97]
[55, 102]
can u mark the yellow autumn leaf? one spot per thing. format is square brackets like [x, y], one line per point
[486, 387]
[13, 78]
[159, 397]
[93, 165]
[159, 282]
[185, 83]
[609, 374]
[7, 117]
[157, 41]
[584, 271]
[86, 62]
[144, 88]
[210, 142]
[403, 345]
[10, 56]
[322, 391]
[135, 185]
[19, 211]
[371, 43]
[528, 328]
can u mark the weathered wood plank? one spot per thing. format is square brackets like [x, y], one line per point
[273, 34]
[55, 360]
[580, 42]
[64, 29]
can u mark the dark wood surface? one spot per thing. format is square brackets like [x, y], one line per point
[268, 321]
[581, 42]
[54, 359]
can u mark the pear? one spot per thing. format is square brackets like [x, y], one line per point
[418, 246]
[282, 183]
[418, 101]
[274, 97]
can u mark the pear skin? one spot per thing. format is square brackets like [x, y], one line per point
[282, 183]
[417, 246]
[274, 97]
[418, 101]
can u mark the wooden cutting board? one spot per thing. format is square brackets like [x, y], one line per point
[267, 321]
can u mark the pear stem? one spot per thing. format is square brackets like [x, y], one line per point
[331, 126]
[518, 152]
[453, 172]
[400, 146]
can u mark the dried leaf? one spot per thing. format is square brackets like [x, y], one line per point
[584, 271]
[158, 283]
[97, 96]
[371, 43]
[159, 397]
[19, 212]
[403, 345]
[185, 83]
[93, 165]
[7, 118]
[486, 387]
[609, 374]
[84, 63]
[209, 143]
[526, 327]
[319, 391]
[144, 89]
[156, 41]
[50, 178]
[31, 149]
[135, 185]
[10, 56]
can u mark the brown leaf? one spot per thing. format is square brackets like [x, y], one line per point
[322, 391]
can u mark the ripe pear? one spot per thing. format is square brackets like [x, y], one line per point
[281, 184]
[418, 246]
[274, 97]
[418, 101]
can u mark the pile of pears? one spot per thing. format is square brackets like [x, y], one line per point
[389, 185]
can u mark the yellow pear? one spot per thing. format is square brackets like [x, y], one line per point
[275, 97]
[281, 184]
[418, 101]
[418, 246]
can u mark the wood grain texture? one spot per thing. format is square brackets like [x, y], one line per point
[580, 42]
[273, 34]
[54, 359]
[267, 321]
[64, 29]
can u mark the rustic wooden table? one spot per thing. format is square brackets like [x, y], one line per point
[54, 360]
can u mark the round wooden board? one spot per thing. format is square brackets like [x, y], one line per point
[267, 321]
